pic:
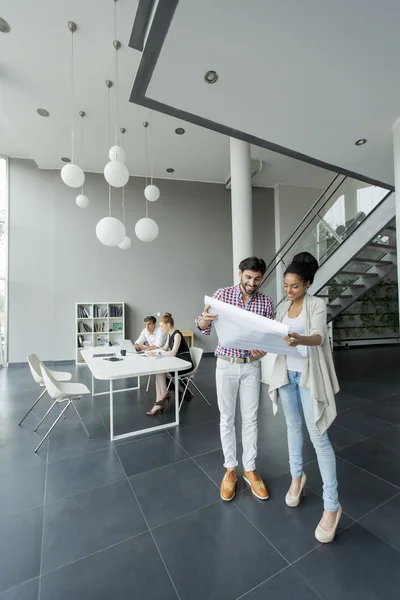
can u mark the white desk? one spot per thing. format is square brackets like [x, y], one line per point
[132, 366]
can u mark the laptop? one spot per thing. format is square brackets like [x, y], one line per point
[128, 346]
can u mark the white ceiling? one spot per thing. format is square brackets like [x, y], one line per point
[310, 76]
[35, 72]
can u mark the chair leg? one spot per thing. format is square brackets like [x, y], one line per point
[52, 427]
[32, 407]
[184, 392]
[201, 394]
[80, 418]
[40, 422]
[169, 383]
[148, 383]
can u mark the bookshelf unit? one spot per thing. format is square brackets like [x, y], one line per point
[98, 324]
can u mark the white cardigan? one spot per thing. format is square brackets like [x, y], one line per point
[319, 372]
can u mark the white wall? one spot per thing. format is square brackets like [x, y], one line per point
[291, 204]
[56, 260]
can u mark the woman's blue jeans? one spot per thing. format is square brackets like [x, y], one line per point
[295, 400]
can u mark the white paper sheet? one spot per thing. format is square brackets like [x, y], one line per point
[245, 330]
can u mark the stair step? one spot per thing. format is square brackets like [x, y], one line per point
[345, 285]
[372, 261]
[382, 247]
[358, 274]
[333, 299]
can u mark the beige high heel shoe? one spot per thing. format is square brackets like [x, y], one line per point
[324, 536]
[294, 501]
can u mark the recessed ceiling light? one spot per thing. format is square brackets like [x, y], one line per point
[66, 159]
[179, 131]
[170, 170]
[211, 77]
[361, 142]
[4, 26]
[43, 112]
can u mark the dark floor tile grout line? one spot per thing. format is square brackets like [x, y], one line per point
[151, 533]
[377, 507]
[369, 472]
[260, 532]
[309, 584]
[191, 512]
[53, 462]
[14, 587]
[96, 487]
[44, 520]
[262, 583]
[178, 462]
[72, 562]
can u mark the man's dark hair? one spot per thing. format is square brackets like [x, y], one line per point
[253, 264]
[151, 318]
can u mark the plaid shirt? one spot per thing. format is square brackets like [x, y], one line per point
[258, 303]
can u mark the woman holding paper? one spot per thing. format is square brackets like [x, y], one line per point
[306, 386]
[175, 346]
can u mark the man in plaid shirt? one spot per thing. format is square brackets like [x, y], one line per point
[240, 371]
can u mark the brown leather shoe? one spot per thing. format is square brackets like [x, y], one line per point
[258, 487]
[228, 485]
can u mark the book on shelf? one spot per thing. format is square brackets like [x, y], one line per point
[84, 328]
[115, 311]
[83, 312]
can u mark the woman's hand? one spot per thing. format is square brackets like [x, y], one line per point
[257, 353]
[294, 339]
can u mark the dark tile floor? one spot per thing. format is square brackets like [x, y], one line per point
[89, 519]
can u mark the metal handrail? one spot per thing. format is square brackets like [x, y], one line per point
[305, 218]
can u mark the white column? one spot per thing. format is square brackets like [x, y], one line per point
[241, 197]
[396, 155]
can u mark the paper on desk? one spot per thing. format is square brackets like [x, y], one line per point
[245, 330]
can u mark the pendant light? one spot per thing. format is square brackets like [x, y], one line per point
[151, 192]
[115, 171]
[146, 229]
[82, 201]
[126, 242]
[109, 230]
[71, 174]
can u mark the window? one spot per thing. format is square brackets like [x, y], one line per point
[369, 197]
[335, 216]
[3, 258]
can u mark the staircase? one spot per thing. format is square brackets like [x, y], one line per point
[351, 231]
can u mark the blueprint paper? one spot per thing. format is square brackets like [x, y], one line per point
[245, 330]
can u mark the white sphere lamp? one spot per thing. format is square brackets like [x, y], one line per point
[125, 244]
[117, 153]
[72, 175]
[110, 231]
[146, 229]
[82, 201]
[152, 193]
[116, 173]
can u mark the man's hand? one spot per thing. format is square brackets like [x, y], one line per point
[258, 353]
[137, 347]
[207, 318]
[293, 339]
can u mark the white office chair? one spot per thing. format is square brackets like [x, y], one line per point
[187, 378]
[61, 392]
[34, 365]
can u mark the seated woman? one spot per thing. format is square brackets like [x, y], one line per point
[175, 346]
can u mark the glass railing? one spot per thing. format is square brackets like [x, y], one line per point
[337, 213]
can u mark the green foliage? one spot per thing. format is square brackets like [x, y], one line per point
[377, 312]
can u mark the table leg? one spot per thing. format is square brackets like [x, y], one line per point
[111, 410]
[92, 385]
[176, 398]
